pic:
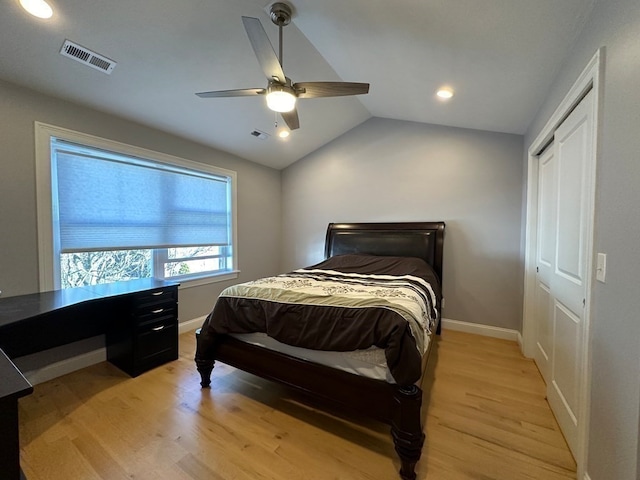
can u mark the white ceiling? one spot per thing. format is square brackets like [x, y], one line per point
[500, 56]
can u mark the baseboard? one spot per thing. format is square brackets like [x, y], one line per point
[57, 369]
[189, 325]
[485, 330]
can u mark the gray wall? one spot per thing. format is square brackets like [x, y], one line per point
[259, 197]
[615, 343]
[389, 170]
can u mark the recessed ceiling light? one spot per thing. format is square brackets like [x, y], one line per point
[37, 8]
[445, 93]
[283, 133]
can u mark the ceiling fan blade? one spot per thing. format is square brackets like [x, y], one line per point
[244, 92]
[291, 119]
[329, 89]
[263, 49]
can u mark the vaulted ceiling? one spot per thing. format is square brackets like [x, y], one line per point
[500, 57]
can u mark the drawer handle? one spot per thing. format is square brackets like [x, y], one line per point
[157, 329]
[158, 310]
[157, 293]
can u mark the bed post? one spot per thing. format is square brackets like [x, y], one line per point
[204, 366]
[406, 429]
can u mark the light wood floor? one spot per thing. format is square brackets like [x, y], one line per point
[487, 419]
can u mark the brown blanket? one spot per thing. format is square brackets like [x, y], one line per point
[347, 302]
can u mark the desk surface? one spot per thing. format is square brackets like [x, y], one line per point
[22, 307]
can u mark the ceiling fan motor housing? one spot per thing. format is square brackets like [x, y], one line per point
[280, 14]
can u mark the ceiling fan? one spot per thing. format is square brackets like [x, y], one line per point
[281, 93]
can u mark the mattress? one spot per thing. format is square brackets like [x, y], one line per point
[370, 362]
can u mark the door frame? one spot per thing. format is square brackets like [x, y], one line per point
[588, 79]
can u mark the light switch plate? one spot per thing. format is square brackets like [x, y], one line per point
[601, 267]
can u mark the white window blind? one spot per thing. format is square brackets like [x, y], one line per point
[113, 201]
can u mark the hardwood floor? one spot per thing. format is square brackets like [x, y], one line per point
[487, 418]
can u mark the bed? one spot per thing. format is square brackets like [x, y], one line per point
[396, 400]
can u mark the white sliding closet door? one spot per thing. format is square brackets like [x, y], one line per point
[563, 251]
[545, 259]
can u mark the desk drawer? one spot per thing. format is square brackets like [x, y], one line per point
[157, 341]
[165, 313]
[154, 299]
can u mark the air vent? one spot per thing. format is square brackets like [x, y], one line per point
[86, 56]
[260, 134]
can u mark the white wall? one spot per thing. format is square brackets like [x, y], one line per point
[389, 170]
[615, 400]
[259, 211]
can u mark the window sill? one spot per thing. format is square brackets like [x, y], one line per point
[204, 280]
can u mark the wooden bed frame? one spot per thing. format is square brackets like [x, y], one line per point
[396, 405]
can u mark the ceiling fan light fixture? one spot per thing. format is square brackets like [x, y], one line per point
[280, 99]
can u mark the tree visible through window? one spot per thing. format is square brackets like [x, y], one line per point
[79, 269]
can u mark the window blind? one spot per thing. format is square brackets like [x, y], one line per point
[107, 201]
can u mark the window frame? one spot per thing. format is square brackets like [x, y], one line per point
[48, 242]
[160, 257]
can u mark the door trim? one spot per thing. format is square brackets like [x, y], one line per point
[588, 79]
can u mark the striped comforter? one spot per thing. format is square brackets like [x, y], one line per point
[347, 302]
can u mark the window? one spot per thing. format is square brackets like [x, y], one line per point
[110, 212]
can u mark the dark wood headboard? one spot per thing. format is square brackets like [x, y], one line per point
[407, 239]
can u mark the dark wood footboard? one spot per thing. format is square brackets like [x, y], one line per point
[397, 406]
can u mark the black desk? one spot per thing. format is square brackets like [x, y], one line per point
[38, 321]
[138, 317]
[12, 386]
